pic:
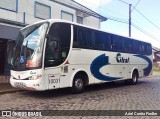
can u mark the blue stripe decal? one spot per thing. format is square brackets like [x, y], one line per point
[97, 64]
[148, 69]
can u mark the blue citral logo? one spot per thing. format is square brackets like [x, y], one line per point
[121, 59]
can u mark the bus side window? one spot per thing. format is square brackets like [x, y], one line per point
[112, 43]
[128, 45]
[75, 38]
[142, 48]
[106, 39]
[98, 41]
[89, 38]
[149, 49]
[117, 44]
[136, 47]
[82, 38]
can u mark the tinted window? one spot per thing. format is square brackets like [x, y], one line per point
[149, 49]
[128, 45]
[143, 48]
[106, 38]
[82, 37]
[92, 39]
[136, 47]
[99, 43]
[117, 44]
[75, 37]
[58, 44]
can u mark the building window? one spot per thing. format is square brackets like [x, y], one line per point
[11, 5]
[42, 11]
[79, 20]
[66, 16]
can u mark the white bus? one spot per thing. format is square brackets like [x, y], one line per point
[54, 54]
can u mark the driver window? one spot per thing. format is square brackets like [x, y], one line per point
[52, 53]
[58, 44]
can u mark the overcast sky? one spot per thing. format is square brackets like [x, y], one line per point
[147, 21]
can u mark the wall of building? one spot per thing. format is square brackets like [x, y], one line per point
[56, 9]
[26, 12]
[89, 21]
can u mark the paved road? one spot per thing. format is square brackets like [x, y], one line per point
[110, 96]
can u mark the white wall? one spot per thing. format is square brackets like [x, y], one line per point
[92, 21]
[27, 6]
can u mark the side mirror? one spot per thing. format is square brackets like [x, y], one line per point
[10, 49]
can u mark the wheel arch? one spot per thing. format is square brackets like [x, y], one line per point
[80, 72]
[134, 70]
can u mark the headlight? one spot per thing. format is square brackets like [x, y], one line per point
[35, 77]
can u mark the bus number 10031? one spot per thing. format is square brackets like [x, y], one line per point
[51, 81]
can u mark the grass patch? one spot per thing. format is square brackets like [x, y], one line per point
[156, 69]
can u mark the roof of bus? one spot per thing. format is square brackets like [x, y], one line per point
[73, 23]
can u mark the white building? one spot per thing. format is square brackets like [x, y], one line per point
[15, 14]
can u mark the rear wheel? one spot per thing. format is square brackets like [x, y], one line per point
[78, 85]
[133, 80]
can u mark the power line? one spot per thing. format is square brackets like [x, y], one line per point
[135, 5]
[102, 8]
[145, 32]
[118, 20]
[110, 17]
[126, 21]
[147, 19]
[124, 2]
[137, 27]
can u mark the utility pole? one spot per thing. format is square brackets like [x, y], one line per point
[130, 5]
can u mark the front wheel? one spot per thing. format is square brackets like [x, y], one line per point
[78, 85]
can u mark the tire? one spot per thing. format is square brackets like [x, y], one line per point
[78, 85]
[133, 80]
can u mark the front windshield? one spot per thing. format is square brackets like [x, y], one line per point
[29, 47]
